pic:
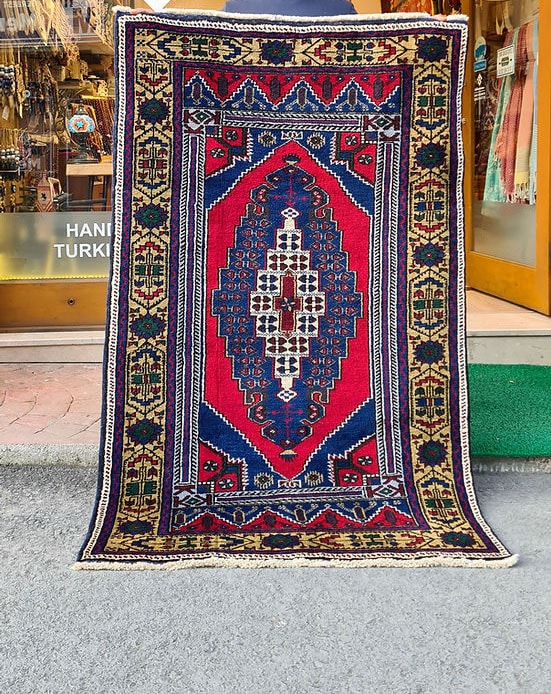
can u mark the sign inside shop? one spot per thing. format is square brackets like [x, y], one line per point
[84, 240]
[505, 61]
[19, 22]
[54, 245]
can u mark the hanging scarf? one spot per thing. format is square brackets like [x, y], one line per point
[493, 187]
[526, 121]
[506, 142]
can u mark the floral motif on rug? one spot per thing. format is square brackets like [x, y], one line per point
[285, 359]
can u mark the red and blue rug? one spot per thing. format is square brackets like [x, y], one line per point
[285, 361]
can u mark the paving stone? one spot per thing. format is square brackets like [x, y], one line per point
[50, 403]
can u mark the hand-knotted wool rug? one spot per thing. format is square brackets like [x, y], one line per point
[285, 361]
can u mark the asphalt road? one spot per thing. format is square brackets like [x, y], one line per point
[218, 631]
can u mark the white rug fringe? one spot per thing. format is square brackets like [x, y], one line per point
[283, 562]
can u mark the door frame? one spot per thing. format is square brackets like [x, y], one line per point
[519, 284]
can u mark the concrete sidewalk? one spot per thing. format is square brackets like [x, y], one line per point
[223, 631]
[50, 403]
[50, 414]
[218, 631]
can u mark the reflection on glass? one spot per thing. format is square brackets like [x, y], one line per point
[505, 96]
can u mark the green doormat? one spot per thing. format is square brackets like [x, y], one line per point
[510, 410]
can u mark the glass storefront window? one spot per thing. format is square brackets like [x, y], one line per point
[56, 120]
[505, 102]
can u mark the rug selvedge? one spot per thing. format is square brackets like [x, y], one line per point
[267, 149]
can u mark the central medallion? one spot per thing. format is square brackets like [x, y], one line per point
[287, 305]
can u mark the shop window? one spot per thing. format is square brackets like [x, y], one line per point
[505, 102]
[56, 120]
